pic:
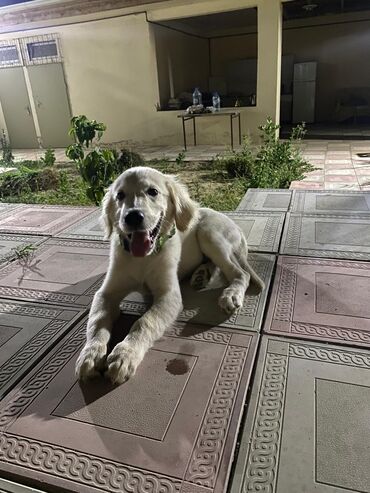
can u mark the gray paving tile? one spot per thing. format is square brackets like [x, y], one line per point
[264, 199]
[262, 229]
[12, 487]
[170, 428]
[59, 271]
[333, 202]
[27, 331]
[332, 236]
[41, 219]
[88, 228]
[320, 299]
[11, 245]
[202, 306]
[307, 424]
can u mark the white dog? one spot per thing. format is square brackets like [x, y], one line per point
[159, 236]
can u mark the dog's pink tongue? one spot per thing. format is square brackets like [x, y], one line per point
[140, 244]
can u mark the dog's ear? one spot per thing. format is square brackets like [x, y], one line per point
[185, 207]
[107, 216]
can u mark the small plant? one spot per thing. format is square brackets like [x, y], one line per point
[23, 251]
[49, 158]
[97, 167]
[7, 154]
[275, 164]
[128, 159]
[180, 158]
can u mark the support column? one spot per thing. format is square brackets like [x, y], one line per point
[269, 59]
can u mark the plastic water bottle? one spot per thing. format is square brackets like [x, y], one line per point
[197, 97]
[216, 101]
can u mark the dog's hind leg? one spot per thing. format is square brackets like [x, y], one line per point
[229, 253]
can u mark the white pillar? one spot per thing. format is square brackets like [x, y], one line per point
[269, 59]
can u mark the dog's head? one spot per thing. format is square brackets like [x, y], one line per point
[143, 204]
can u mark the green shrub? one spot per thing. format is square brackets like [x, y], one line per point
[128, 159]
[24, 179]
[274, 164]
[49, 158]
[97, 167]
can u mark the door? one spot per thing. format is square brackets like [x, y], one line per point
[304, 102]
[16, 108]
[51, 101]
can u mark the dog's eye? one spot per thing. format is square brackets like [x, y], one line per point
[153, 192]
[120, 196]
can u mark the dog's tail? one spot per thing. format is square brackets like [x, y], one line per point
[245, 265]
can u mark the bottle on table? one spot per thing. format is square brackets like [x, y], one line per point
[197, 97]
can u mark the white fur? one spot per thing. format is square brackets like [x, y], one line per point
[200, 233]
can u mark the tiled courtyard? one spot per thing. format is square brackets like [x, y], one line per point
[275, 398]
[337, 162]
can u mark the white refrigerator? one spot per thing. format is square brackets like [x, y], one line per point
[304, 92]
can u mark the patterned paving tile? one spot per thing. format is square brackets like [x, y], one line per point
[41, 219]
[88, 228]
[11, 245]
[27, 331]
[60, 271]
[264, 199]
[202, 306]
[323, 202]
[307, 421]
[170, 428]
[321, 300]
[261, 229]
[333, 236]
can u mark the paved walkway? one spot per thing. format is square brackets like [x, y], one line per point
[303, 346]
[339, 166]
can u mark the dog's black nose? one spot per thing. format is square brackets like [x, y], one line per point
[134, 218]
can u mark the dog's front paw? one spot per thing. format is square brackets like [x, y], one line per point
[122, 363]
[231, 300]
[91, 360]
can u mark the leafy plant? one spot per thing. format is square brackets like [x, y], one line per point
[180, 158]
[97, 167]
[49, 158]
[23, 251]
[7, 153]
[24, 179]
[128, 159]
[274, 164]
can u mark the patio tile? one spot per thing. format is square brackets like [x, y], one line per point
[11, 244]
[265, 199]
[364, 179]
[307, 422]
[27, 332]
[60, 271]
[333, 236]
[170, 428]
[324, 202]
[202, 306]
[342, 171]
[341, 178]
[261, 229]
[325, 300]
[88, 228]
[306, 185]
[41, 219]
[342, 186]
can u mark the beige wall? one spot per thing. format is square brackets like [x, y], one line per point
[111, 73]
[342, 52]
[189, 57]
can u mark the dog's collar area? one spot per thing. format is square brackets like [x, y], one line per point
[159, 242]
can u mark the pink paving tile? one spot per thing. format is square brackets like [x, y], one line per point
[60, 271]
[363, 171]
[171, 428]
[338, 166]
[341, 186]
[41, 219]
[306, 185]
[321, 299]
[335, 171]
[341, 178]
[363, 180]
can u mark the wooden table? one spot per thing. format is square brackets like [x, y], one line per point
[222, 113]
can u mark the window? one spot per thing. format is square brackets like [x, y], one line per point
[9, 56]
[41, 49]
